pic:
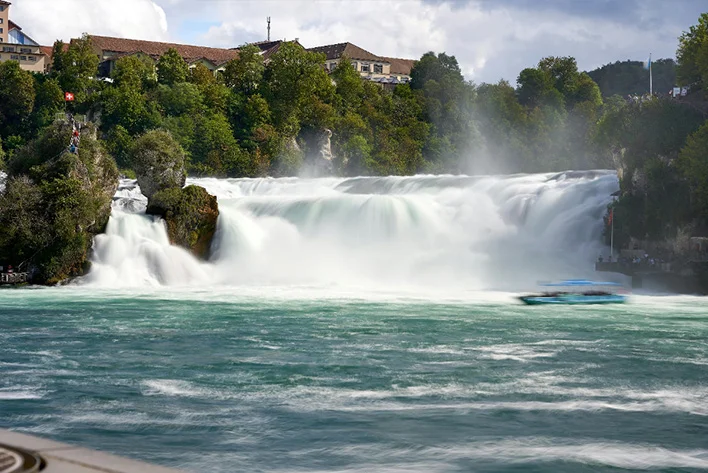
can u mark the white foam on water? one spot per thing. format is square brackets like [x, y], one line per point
[450, 234]
[171, 387]
[533, 450]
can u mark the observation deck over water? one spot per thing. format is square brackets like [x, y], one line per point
[20, 453]
[13, 278]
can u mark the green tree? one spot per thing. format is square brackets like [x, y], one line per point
[2, 157]
[441, 68]
[119, 144]
[215, 150]
[215, 95]
[245, 73]
[563, 72]
[201, 76]
[692, 55]
[58, 57]
[171, 68]
[181, 98]
[17, 97]
[349, 85]
[79, 66]
[534, 86]
[136, 72]
[293, 80]
[693, 162]
[48, 102]
[129, 108]
[586, 90]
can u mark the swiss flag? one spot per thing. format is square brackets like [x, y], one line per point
[68, 97]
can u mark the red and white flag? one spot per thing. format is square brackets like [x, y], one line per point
[68, 97]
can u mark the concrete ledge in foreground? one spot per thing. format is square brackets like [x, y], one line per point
[62, 458]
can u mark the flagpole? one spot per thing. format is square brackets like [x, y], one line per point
[612, 234]
[651, 82]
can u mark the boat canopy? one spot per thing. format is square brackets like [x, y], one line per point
[580, 282]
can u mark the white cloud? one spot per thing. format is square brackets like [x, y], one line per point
[491, 40]
[49, 20]
[490, 43]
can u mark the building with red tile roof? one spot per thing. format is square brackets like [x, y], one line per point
[16, 45]
[384, 70]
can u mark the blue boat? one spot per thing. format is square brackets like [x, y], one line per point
[577, 291]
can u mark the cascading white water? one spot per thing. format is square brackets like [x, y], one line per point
[448, 232]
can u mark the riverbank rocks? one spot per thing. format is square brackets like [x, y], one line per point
[190, 214]
[54, 202]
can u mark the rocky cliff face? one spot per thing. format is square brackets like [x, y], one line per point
[191, 214]
[54, 203]
[154, 179]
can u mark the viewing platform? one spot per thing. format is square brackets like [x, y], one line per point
[20, 453]
[630, 269]
[13, 278]
[688, 277]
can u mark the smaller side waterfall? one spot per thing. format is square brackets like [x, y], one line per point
[135, 250]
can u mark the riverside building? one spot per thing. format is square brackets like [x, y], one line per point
[16, 45]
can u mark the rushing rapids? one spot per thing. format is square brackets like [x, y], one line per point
[446, 232]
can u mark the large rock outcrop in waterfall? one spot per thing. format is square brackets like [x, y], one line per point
[324, 156]
[54, 202]
[190, 214]
[159, 162]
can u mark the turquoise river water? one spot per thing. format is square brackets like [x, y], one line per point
[327, 384]
[365, 325]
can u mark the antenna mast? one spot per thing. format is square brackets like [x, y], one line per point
[268, 28]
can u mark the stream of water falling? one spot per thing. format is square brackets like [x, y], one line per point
[402, 233]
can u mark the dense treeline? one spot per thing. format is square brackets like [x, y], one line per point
[271, 119]
[632, 78]
[661, 149]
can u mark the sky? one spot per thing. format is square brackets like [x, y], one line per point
[491, 39]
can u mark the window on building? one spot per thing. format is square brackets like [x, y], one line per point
[8, 49]
[26, 50]
[33, 58]
[332, 66]
[24, 58]
[2, 8]
[378, 68]
[365, 68]
[1, 30]
[356, 66]
[14, 57]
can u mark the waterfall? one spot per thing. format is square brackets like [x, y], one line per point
[452, 232]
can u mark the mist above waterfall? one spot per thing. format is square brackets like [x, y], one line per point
[454, 233]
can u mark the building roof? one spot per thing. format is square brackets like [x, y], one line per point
[265, 45]
[11, 25]
[3, 2]
[268, 48]
[156, 49]
[352, 51]
[401, 66]
[49, 50]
